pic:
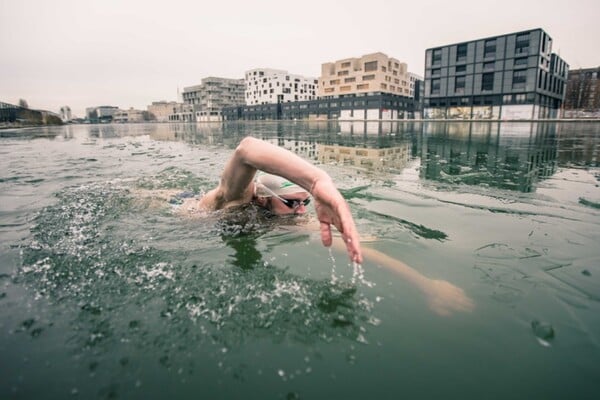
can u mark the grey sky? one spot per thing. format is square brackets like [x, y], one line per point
[129, 53]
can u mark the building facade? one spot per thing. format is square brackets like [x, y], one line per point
[376, 106]
[212, 95]
[160, 110]
[273, 86]
[367, 74]
[583, 93]
[100, 113]
[128, 116]
[512, 76]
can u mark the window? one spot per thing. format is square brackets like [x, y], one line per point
[345, 88]
[363, 86]
[488, 66]
[461, 52]
[383, 69]
[348, 80]
[522, 45]
[346, 64]
[368, 77]
[521, 61]
[459, 84]
[371, 66]
[487, 81]
[519, 79]
[334, 82]
[436, 72]
[384, 86]
[461, 69]
[343, 72]
[435, 86]
[490, 48]
[437, 56]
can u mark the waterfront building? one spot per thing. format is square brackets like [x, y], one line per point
[213, 94]
[511, 76]
[367, 74]
[160, 110]
[273, 86]
[583, 93]
[126, 116]
[65, 113]
[372, 87]
[182, 112]
[371, 76]
[100, 113]
[376, 106]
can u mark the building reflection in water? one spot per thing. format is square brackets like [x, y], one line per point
[513, 156]
[508, 156]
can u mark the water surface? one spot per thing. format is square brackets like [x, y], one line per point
[107, 292]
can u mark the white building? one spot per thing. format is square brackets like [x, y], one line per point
[270, 86]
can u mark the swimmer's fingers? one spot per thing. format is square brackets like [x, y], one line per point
[326, 234]
[352, 242]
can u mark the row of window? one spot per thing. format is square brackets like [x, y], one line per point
[489, 49]
[519, 81]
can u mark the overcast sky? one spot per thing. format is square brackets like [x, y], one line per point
[84, 53]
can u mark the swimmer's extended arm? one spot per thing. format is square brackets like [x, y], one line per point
[443, 297]
[236, 187]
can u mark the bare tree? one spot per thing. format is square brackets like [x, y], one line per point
[23, 103]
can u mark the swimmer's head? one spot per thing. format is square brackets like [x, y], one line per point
[279, 195]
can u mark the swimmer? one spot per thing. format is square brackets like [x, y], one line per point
[288, 188]
[283, 183]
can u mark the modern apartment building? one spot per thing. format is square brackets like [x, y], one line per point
[583, 93]
[511, 76]
[273, 86]
[370, 73]
[212, 95]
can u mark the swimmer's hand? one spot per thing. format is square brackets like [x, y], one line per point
[332, 209]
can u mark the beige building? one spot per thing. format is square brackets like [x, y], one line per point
[370, 73]
[131, 115]
[162, 109]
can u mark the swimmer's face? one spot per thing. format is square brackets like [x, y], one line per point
[294, 203]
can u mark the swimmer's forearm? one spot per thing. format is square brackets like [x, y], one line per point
[256, 154]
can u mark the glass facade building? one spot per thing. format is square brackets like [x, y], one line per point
[506, 77]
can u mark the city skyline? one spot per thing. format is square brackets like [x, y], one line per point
[129, 55]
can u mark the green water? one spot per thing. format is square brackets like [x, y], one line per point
[107, 292]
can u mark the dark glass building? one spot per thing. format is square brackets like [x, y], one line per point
[583, 93]
[359, 107]
[509, 77]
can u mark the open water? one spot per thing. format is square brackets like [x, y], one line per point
[481, 280]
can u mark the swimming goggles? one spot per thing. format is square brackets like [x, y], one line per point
[290, 203]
